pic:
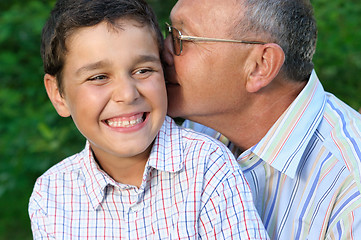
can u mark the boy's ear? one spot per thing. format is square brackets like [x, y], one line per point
[267, 62]
[56, 98]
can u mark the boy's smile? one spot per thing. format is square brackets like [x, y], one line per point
[126, 121]
[114, 90]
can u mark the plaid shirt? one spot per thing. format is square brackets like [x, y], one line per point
[192, 189]
[305, 173]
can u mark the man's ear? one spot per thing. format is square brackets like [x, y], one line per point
[268, 60]
[54, 95]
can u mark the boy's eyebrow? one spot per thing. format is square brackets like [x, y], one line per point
[90, 67]
[147, 58]
[100, 64]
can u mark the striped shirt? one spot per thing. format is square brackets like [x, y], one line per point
[192, 188]
[305, 172]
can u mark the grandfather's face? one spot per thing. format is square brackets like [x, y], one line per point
[205, 81]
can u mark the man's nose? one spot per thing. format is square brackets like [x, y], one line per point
[168, 51]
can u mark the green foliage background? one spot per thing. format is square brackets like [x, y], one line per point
[33, 137]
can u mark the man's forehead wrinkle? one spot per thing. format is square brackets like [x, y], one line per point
[183, 12]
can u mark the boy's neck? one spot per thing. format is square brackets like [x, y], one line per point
[127, 171]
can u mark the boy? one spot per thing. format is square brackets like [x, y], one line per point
[139, 176]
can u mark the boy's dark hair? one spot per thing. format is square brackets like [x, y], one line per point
[70, 15]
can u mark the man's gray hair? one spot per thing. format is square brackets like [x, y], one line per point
[290, 24]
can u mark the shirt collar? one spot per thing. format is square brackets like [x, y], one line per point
[95, 179]
[167, 151]
[166, 155]
[284, 144]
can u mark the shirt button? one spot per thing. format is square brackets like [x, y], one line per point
[136, 207]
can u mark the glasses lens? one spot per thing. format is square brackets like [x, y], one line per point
[175, 34]
[177, 44]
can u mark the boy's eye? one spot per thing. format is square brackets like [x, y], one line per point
[143, 71]
[98, 77]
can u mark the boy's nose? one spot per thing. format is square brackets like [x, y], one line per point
[126, 91]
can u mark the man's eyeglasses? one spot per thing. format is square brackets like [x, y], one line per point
[178, 37]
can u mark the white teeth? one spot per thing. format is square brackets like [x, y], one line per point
[124, 123]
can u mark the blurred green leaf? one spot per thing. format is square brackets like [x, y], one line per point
[34, 137]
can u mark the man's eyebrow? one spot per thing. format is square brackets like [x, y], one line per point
[91, 66]
[177, 23]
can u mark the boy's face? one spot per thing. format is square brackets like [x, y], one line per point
[114, 89]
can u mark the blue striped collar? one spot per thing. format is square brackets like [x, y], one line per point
[285, 143]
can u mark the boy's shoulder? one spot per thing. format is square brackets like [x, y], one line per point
[213, 146]
[68, 166]
[200, 147]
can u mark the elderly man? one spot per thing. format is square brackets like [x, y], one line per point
[244, 68]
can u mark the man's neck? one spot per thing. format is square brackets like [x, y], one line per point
[250, 124]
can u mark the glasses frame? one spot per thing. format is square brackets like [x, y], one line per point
[182, 37]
